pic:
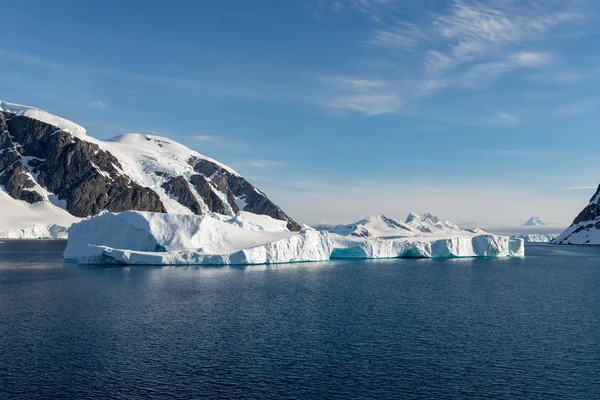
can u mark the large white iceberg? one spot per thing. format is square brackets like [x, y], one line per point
[135, 237]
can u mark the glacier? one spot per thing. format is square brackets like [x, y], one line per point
[146, 238]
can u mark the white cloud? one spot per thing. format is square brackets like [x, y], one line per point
[431, 86]
[565, 77]
[475, 28]
[203, 138]
[578, 107]
[406, 36]
[506, 118]
[368, 103]
[365, 96]
[466, 43]
[526, 153]
[99, 104]
[480, 74]
[531, 59]
[436, 62]
[581, 188]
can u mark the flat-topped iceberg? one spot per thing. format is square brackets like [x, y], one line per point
[135, 237]
[537, 237]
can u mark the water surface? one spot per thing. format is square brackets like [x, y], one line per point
[464, 328]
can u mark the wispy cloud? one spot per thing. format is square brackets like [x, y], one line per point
[99, 104]
[463, 44]
[578, 108]
[365, 96]
[581, 188]
[506, 118]
[405, 36]
[566, 76]
[203, 138]
[483, 73]
[524, 153]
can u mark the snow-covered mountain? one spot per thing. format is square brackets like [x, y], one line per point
[380, 226]
[585, 229]
[373, 227]
[534, 221]
[52, 172]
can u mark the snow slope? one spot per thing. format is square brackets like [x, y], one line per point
[585, 229]
[146, 159]
[161, 239]
[385, 227]
[21, 220]
[43, 116]
[430, 223]
[372, 227]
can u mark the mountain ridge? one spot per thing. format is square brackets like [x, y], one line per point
[48, 159]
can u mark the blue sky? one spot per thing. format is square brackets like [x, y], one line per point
[480, 111]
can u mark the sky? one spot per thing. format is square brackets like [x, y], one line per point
[482, 111]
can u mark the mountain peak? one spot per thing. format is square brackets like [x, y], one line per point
[50, 161]
[43, 116]
[534, 221]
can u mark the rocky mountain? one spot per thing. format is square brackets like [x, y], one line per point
[585, 229]
[534, 221]
[51, 171]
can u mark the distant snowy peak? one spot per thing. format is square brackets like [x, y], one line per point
[43, 116]
[585, 229]
[47, 159]
[534, 221]
[372, 227]
[381, 226]
[430, 223]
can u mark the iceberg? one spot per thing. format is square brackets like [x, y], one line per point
[537, 237]
[145, 238]
[38, 231]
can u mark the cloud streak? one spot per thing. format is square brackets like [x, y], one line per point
[466, 44]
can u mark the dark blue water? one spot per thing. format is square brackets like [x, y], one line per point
[469, 328]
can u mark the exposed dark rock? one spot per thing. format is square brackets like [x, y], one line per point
[87, 177]
[180, 188]
[591, 211]
[205, 191]
[234, 185]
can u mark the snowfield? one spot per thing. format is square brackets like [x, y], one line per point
[165, 239]
[44, 220]
[43, 116]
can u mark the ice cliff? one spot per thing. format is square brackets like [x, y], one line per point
[135, 237]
